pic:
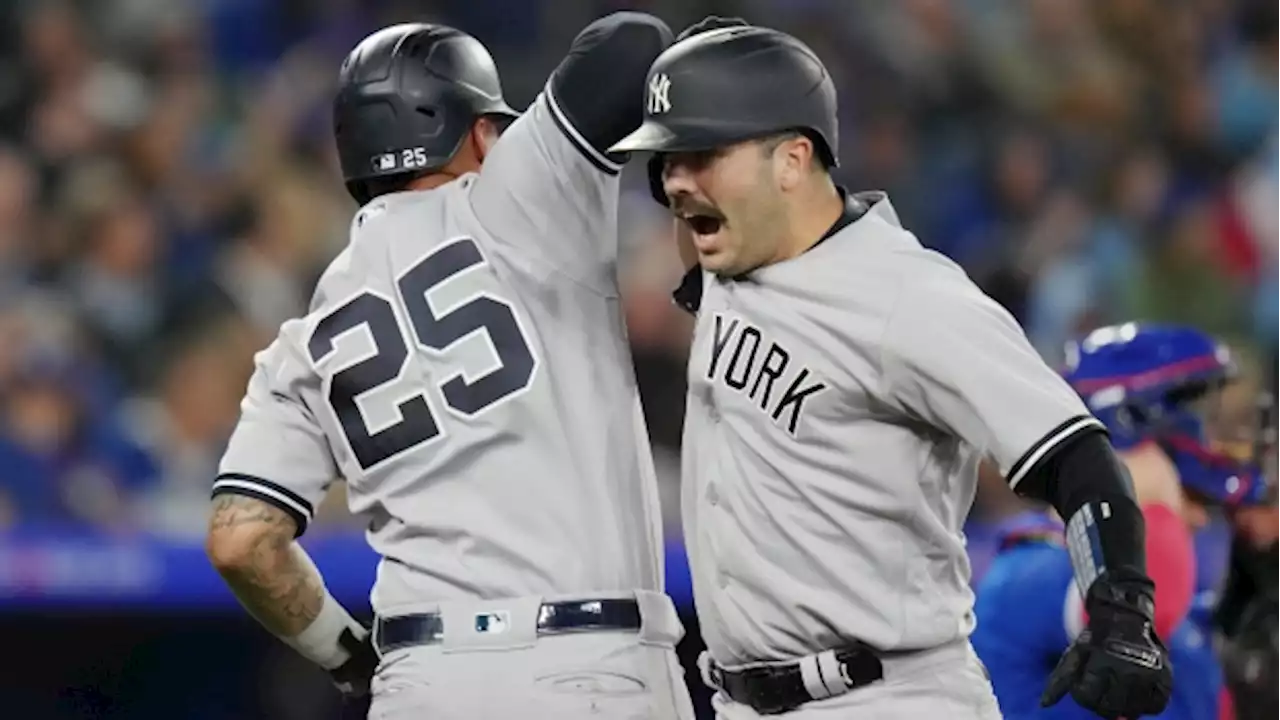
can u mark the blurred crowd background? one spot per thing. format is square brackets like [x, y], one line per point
[169, 194]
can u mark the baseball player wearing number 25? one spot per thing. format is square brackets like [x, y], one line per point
[844, 384]
[465, 368]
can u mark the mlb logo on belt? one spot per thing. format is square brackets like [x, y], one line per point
[492, 623]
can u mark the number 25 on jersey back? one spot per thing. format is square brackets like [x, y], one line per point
[482, 312]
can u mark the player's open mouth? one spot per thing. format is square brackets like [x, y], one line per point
[702, 224]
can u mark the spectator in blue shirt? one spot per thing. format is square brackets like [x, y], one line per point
[57, 464]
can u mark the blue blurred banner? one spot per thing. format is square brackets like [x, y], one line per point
[46, 570]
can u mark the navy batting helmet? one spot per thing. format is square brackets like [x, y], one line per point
[733, 84]
[407, 97]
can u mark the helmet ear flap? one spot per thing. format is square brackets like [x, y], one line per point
[654, 168]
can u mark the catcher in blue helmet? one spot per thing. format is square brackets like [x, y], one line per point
[1163, 384]
[1159, 389]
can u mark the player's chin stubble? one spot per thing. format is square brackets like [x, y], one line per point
[751, 243]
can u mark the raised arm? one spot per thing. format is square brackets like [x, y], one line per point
[549, 189]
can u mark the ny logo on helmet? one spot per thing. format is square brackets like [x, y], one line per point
[659, 86]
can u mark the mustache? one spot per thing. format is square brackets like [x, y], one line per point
[687, 207]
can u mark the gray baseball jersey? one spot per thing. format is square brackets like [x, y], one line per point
[464, 367]
[839, 403]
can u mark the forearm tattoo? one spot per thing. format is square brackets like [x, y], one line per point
[276, 581]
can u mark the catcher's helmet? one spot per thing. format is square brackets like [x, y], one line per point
[734, 84]
[407, 97]
[1145, 382]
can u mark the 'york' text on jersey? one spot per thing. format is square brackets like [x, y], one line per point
[744, 360]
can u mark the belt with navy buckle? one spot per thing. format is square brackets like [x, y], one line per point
[617, 614]
[771, 689]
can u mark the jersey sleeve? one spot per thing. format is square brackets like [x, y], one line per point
[954, 358]
[278, 451]
[549, 188]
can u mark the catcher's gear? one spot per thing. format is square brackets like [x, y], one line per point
[407, 97]
[354, 676]
[725, 82]
[1117, 667]
[1150, 382]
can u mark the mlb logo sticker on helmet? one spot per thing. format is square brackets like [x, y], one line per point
[409, 159]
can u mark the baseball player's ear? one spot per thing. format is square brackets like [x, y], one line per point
[796, 155]
[484, 135]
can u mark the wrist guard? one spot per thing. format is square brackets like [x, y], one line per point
[1106, 537]
[323, 641]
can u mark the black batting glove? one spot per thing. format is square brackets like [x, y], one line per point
[353, 677]
[1117, 667]
[710, 22]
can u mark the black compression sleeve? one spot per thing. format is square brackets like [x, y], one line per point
[599, 86]
[1090, 488]
[1082, 469]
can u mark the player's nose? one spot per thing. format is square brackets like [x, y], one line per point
[677, 181]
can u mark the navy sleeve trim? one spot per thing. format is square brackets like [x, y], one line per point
[689, 294]
[293, 504]
[1043, 448]
[596, 94]
[601, 161]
